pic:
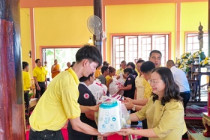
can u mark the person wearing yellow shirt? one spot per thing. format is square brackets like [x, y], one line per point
[39, 75]
[164, 111]
[55, 69]
[59, 103]
[112, 72]
[122, 67]
[26, 82]
[98, 72]
[139, 81]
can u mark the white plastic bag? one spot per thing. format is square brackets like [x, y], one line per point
[98, 90]
[115, 85]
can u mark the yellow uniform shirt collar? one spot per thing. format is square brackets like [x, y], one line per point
[74, 75]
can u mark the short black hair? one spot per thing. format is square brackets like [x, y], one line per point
[83, 79]
[147, 66]
[140, 61]
[131, 64]
[37, 60]
[128, 70]
[89, 52]
[103, 69]
[72, 64]
[111, 69]
[24, 64]
[123, 62]
[105, 63]
[155, 51]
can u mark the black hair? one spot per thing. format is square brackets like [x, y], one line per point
[171, 88]
[72, 64]
[24, 64]
[89, 52]
[83, 79]
[147, 66]
[105, 63]
[140, 61]
[111, 69]
[131, 64]
[37, 60]
[103, 69]
[128, 70]
[123, 61]
[155, 51]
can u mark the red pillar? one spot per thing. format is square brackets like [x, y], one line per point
[11, 95]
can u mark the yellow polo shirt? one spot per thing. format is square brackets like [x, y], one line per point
[166, 121]
[58, 103]
[143, 87]
[40, 74]
[108, 80]
[97, 73]
[120, 71]
[26, 80]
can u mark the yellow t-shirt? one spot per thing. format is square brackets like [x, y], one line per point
[26, 80]
[108, 80]
[144, 90]
[40, 74]
[166, 121]
[58, 103]
[97, 73]
[120, 71]
[147, 89]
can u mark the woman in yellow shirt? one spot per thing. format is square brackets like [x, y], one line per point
[26, 82]
[112, 72]
[164, 111]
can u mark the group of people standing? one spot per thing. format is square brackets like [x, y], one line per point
[152, 93]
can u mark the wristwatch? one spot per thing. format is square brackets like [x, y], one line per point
[134, 108]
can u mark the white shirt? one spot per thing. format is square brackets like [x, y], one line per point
[180, 79]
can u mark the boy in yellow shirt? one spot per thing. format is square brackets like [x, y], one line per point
[59, 103]
[26, 82]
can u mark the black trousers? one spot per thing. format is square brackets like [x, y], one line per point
[186, 98]
[42, 89]
[45, 135]
[26, 98]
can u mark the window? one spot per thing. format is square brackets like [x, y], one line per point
[129, 48]
[192, 43]
[63, 55]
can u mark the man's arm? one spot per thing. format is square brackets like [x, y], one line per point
[36, 83]
[128, 87]
[85, 109]
[83, 127]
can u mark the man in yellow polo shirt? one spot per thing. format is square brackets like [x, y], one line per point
[39, 74]
[59, 102]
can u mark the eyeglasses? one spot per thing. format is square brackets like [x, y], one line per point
[154, 82]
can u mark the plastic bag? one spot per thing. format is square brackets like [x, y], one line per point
[98, 90]
[115, 85]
